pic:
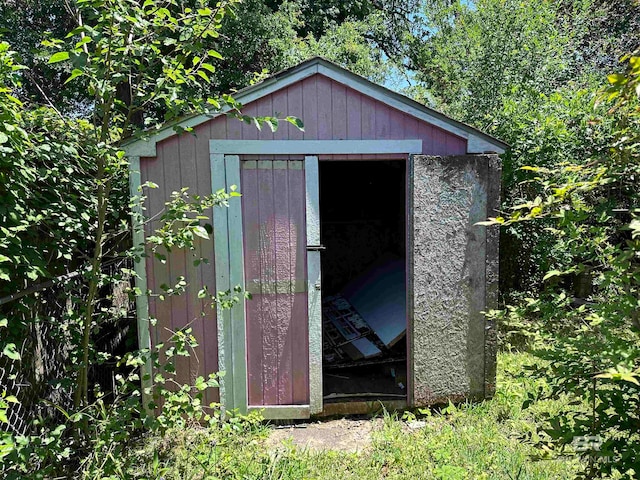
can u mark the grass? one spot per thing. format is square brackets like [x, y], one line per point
[469, 441]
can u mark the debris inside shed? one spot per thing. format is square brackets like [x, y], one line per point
[369, 316]
[379, 295]
[364, 279]
[347, 336]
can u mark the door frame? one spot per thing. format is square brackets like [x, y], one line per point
[229, 260]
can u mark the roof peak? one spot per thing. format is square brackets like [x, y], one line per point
[477, 141]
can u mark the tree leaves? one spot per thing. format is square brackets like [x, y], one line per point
[296, 122]
[76, 72]
[11, 352]
[201, 232]
[59, 57]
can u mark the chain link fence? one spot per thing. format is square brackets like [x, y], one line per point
[42, 380]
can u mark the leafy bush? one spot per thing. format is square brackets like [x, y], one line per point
[64, 194]
[587, 321]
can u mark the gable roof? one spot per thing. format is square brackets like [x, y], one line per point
[477, 141]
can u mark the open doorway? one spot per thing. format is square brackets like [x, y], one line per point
[363, 227]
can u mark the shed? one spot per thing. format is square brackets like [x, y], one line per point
[356, 237]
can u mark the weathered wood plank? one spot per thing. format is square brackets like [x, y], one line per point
[324, 108]
[174, 305]
[382, 125]
[222, 270]
[280, 108]
[216, 128]
[208, 353]
[354, 119]
[249, 130]
[396, 124]
[284, 412]
[234, 128]
[142, 300]
[295, 109]
[268, 311]
[188, 177]
[284, 281]
[264, 108]
[310, 108]
[368, 118]
[455, 145]
[426, 133]
[339, 111]
[410, 128]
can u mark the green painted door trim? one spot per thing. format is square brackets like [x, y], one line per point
[221, 248]
[314, 279]
[142, 298]
[229, 267]
[283, 412]
[236, 264]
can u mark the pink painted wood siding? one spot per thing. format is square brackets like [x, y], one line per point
[182, 161]
[329, 110]
[333, 111]
[273, 203]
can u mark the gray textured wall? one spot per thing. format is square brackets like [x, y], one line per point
[453, 278]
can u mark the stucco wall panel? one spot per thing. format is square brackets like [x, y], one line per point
[449, 196]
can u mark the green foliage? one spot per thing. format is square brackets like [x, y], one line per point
[150, 53]
[457, 441]
[25, 24]
[182, 220]
[346, 44]
[591, 339]
[64, 184]
[256, 41]
[320, 16]
[114, 424]
[525, 72]
[7, 445]
[42, 229]
[257, 37]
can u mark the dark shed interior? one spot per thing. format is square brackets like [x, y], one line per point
[363, 227]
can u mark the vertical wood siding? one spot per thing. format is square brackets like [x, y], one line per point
[274, 251]
[333, 111]
[329, 110]
[181, 162]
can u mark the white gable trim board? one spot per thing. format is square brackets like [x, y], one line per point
[477, 141]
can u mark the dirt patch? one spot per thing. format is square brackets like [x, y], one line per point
[344, 435]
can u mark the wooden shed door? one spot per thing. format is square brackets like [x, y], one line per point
[274, 210]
